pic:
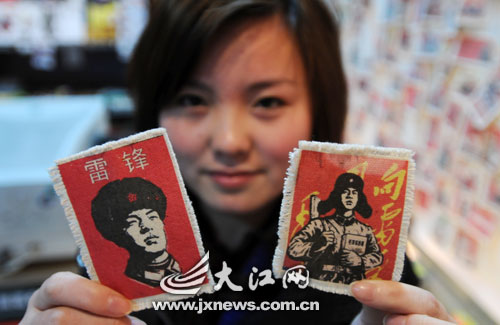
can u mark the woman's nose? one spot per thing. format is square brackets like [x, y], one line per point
[231, 140]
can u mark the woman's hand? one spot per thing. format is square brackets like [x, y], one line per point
[391, 302]
[67, 298]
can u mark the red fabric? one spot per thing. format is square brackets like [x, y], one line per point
[318, 172]
[109, 259]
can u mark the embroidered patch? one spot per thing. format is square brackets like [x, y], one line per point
[345, 214]
[130, 215]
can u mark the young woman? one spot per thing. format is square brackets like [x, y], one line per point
[237, 84]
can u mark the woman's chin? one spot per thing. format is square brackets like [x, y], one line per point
[239, 207]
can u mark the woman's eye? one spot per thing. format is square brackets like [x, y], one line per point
[270, 102]
[152, 217]
[190, 100]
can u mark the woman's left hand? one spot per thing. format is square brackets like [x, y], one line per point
[391, 302]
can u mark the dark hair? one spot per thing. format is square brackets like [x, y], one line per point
[334, 201]
[178, 32]
[115, 200]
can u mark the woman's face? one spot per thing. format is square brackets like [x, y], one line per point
[242, 111]
[349, 198]
[146, 229]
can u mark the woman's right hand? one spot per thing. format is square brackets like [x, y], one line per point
[67, 298]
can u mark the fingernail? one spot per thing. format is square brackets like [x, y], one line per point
[119, 305]
[362, 290]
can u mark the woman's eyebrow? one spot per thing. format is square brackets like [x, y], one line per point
[258, 86]
[200, 85]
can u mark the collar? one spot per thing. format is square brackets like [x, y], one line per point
[343, 221]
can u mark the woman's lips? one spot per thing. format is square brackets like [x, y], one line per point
[232, 180]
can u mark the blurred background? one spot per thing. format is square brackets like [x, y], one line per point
[62, 90]
[423, 74]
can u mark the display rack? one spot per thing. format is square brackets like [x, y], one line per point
[425, 75]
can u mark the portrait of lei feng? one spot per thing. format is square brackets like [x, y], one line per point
[130, 213]
[338, 247]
